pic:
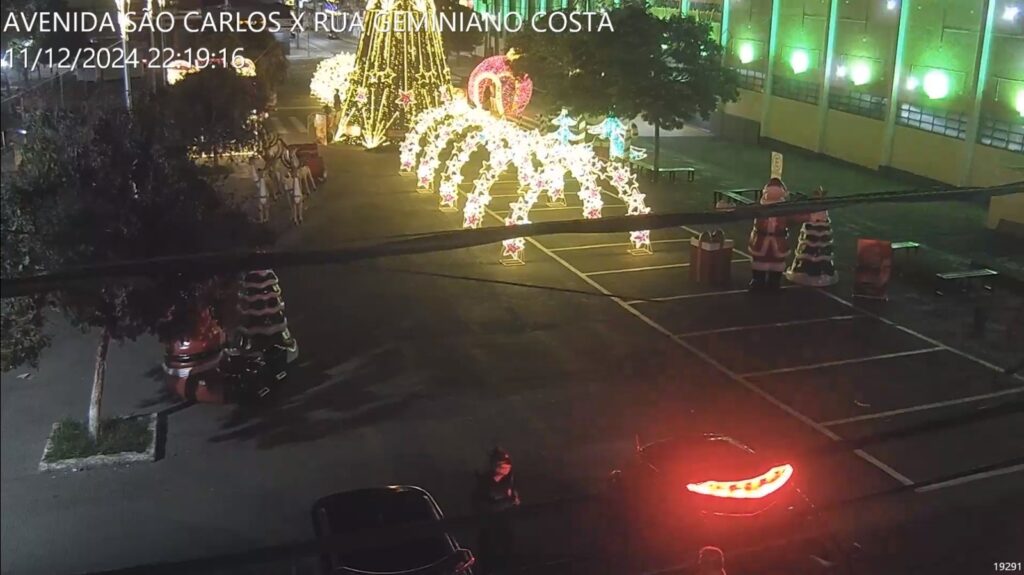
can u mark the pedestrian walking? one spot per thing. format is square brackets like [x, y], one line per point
[257, 164]
[337, 100]
[296, 187]
[263, 200]
[495, 500]
[711, 561]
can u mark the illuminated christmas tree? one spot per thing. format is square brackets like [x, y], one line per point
[400, 70]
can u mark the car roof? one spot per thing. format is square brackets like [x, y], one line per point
[362, 509]
[701, 457]
[378, 507]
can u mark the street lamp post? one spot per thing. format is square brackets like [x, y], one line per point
[122, 9]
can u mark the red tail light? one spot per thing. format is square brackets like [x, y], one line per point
[756, 488]
[465, 561]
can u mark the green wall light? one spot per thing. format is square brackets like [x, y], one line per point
[746, 52]
[913, 83]
[1019, 103]
[936, 84]
[799, 61]
[841, 71]
[860, 73]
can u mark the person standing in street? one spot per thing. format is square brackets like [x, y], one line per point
[296, 187]
[495, 500]
[337, 101]
[263, 199]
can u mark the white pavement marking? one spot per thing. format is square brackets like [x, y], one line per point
[921, 336]
[643, 269]
[971, 478]
[616, 245]
[903, 479]
[701, 294]
[769, 325]
[842, 362]
[923, 407]
[891, 323]
[298, 124]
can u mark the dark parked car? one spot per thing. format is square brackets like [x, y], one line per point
[682, 493]
[431, 552]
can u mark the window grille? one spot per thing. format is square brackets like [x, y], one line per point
[795, 89]
[1002, 134]
[859, 103]
[946, 123]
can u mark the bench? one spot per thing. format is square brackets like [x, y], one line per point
[964, 278]
[642, 167]
[905, 247]
[742, 197]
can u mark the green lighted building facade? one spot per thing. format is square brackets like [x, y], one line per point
[931, 87]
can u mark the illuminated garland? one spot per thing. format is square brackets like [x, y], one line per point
[400, 71]
[332, 74]
[542, 163]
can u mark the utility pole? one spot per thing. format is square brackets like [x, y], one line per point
[122, 9]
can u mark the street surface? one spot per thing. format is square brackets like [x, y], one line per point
[412, 378]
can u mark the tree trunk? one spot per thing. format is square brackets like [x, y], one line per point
[98, 378]
[657, 147]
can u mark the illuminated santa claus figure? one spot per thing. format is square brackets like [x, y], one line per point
[769, 241]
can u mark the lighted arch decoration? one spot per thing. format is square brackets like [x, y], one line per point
[542, 163]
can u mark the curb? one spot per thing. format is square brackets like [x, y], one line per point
[95, 461]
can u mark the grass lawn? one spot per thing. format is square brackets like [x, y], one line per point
[71, 438]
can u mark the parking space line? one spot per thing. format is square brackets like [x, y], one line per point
[971, 478]
[768, 325]
[903, 479]
[701, 294]
[889, 322]
[923, 407]
[642, 269]
[615, 245]
[842, 362]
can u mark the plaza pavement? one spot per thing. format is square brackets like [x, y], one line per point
[407, 378]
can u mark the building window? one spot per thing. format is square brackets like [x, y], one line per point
[942, 122]
[859, 103]
[751, 80]
[1001, 134]
[794, 89]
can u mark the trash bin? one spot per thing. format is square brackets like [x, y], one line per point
[711, 259]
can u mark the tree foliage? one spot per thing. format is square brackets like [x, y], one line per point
[103, 187]
[212, 110]
[455, 39]
[668, 71]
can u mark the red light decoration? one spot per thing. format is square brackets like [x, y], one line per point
[494, 75]
[756, 488]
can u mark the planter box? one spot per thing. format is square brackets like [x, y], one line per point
[94, 461]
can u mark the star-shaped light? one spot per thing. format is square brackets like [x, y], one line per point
[362, 95]
[513, 248]
[406, 98]
[449, 198]
[635, 205]
[641, 239]
[592, 211]
[519, 213]
[472, 220]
